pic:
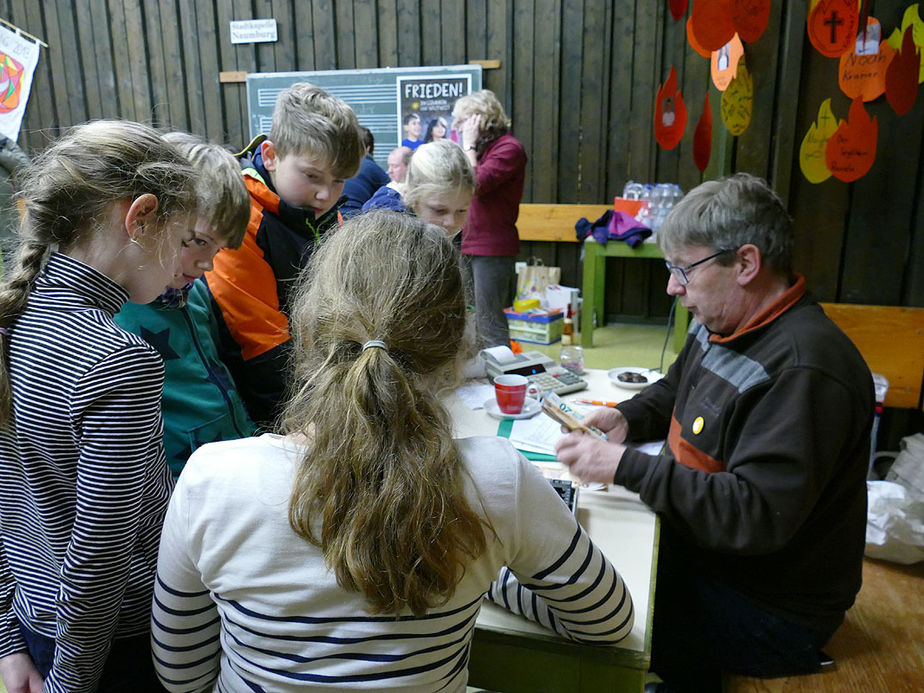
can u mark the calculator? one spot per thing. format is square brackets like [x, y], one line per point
[556, 379]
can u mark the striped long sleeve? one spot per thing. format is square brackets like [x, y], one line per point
[84, 480]
[241, 603]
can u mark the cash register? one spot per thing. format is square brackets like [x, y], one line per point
[538, 368]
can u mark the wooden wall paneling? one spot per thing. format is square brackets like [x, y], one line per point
[499, 46]
[101, 45]
[210, 90]
[142, 57]
[86, 44]
[387, 21]
[647, 74]
[476, 33]
[67, 72]
[365, 29]
[878, 227]
[121, 61]
[345, 49]
[409, 32]
[452, 29]
[173, 42]
[265, 52]
[234, 57]
[431, 32]
[194, 93]
[546, 110]
[788, 19]
[325, 36]
[570, 103]
[619, 130]
[303, 35]
[596, 87]
[286, 48]
[521, 100]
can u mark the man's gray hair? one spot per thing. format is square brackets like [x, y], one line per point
[729, 213]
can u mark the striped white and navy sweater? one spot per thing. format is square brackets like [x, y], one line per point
[243, 604]
[83, 481]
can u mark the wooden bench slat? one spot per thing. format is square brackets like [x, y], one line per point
[891, 340]
[553, 222]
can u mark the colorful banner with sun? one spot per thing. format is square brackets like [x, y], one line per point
[18, 58]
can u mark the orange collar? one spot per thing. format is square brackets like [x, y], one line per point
[770, 313]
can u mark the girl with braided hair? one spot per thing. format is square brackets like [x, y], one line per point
[83, 481]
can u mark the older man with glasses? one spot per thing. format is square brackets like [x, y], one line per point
[761, 486]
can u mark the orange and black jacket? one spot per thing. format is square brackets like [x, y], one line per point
[251, 287]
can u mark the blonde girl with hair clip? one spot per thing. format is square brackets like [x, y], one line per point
[354, 551]
[438, 188]
[83, 482]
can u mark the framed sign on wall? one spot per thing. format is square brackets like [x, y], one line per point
[383, 98]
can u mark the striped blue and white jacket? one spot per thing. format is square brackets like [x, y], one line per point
[83, 481]
[244, 604]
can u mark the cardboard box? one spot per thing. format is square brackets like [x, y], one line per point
[536, 327]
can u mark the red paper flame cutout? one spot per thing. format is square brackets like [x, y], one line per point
[851, 150]
[678, 9]
[694, 44]
[711, 23]
[832, 26]
[750, 18]
[902, 75]
[702, 137]
[670, 119]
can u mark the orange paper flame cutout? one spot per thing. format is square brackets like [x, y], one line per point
[851, 150]
[670, 119]
[750, 18]
[702, 137]
[832, 26]
[678, 9]
[864, 75]
[711, 23]
[901, 78]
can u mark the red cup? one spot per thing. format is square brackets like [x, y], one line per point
[510, 391]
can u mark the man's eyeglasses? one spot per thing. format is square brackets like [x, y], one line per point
[680, 273]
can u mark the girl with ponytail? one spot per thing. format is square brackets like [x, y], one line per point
[354, 551]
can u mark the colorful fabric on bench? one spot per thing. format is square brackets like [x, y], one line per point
[616, 226]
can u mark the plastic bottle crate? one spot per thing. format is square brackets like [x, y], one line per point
[542, 327]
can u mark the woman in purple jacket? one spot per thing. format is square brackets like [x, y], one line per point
[489, 238]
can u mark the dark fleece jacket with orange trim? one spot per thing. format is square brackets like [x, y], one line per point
[251, 287]
[769, 442]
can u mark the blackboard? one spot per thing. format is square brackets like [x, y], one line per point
[373, 94]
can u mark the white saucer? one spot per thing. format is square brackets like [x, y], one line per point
[650, 373]
[530, 408]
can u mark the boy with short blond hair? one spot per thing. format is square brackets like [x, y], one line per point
[200, 402]
[295, 180]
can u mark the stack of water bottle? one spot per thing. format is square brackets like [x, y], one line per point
[657, 201]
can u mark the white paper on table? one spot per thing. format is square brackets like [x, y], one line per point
[538, 434]
[474, 395]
